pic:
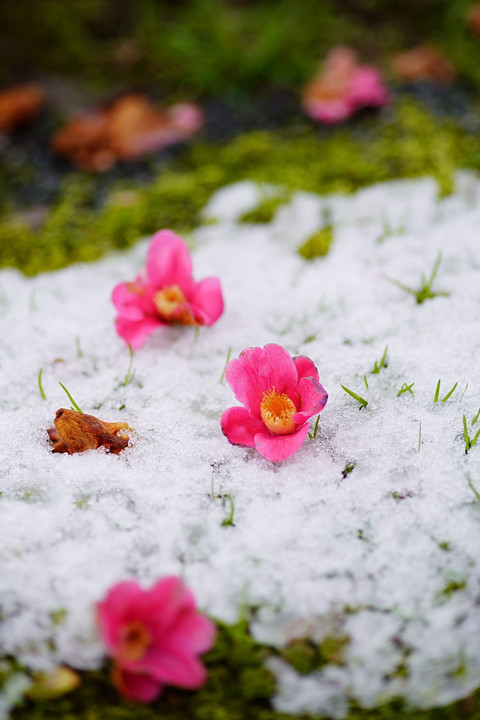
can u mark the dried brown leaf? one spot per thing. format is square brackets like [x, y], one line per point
[75, 432]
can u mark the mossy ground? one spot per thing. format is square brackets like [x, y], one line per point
[405, 141]
[239, 687]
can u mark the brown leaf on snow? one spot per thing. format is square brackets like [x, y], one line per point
[75, 432]
[19, 105]
[423, 63]
[130, 129]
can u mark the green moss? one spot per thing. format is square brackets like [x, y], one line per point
[266, 209]
[239, 686]
[305, 656]
[318, 244]
[409, 143]
[452, 587]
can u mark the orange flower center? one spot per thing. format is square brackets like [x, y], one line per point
[134, 641]
[277, 412]
[172, 306]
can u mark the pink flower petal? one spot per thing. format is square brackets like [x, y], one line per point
[136, 686]
[163, 603]
[305, 367]
[168, 262]
[367, 88]
[312, 398]
[258, 370]
[174, 668]
[239, 427]
[192, 634]
[135, 333]
[117, 608]
[207, 301]
[329, 112]
[280, 447]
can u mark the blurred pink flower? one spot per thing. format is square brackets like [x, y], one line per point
[342, 87]
[154, 637]
[279, 394]
[167, 295]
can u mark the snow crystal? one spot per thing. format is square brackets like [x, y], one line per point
[371, 530]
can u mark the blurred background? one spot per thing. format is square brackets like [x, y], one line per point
[119, 117]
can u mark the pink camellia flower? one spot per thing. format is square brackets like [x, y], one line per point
[342, 87]
[154, 637]
[168, 295]
[280, 395]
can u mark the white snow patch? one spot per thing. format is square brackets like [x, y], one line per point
[387, 554]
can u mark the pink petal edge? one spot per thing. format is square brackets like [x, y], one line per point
[239, 427]
[280, 447]
[312, 399]
[169, 262]
[258, 370]
[207, 301]
[136, 686]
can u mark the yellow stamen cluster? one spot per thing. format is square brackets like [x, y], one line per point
[277, 411]
[172, 306]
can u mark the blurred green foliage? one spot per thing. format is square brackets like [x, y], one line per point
[201, 47]
[407, 142]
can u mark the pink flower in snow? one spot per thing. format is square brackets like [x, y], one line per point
[280, 395]
[342, 87]
[154, 637]
[167, 295]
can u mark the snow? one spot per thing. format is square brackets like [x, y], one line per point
[387, 554]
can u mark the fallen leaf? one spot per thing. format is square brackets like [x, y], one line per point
[423, 63]
[130, 129]
[19, 105]
[75, 432]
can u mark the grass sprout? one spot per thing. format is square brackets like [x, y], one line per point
[79, 347]
[358, 398]
[313, 435]
[226, 363]
[74, 404]
[473, 488]
[381, 364]
[419, 436]
[449, 393]
[40, 386]
[406, 388]
[388, 230]
[229, 519]
[469, 442]
[425, 291]
[130, 373]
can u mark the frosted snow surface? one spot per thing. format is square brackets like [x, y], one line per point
[387, 555]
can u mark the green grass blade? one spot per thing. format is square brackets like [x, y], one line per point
[437, 392]
[473, 488]
[434, 270]
[450, 393]
[226, 363]
[40, 387]
[474, 441]
[358, 398]
[466, 436]
[313, 435]
[74, 404]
